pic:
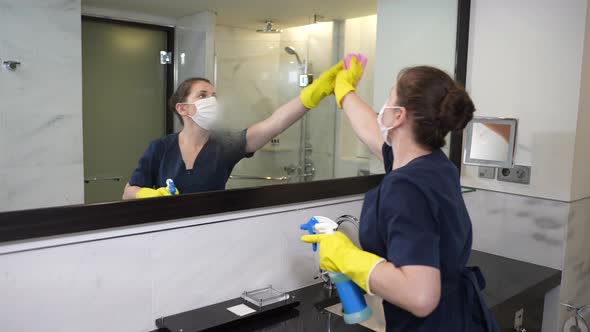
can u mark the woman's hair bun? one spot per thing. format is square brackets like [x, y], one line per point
[456, 110]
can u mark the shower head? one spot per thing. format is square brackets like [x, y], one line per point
[269, 28]
[291, 50]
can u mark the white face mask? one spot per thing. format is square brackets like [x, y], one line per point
[207, 112]
[385, 130]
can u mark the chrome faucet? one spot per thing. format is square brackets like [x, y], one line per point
[340, 220]
[348, 218]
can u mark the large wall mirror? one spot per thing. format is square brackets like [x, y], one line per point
[78, 114]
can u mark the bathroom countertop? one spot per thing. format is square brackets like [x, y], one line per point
[508, 279]
[510, 285]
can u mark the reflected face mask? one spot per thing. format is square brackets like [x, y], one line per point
[207, 112]
[385, 130]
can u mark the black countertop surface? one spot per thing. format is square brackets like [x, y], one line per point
[510, 284]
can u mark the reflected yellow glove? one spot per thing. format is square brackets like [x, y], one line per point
[339, 254]
[347, 79]
[151, 193]
[322, 87]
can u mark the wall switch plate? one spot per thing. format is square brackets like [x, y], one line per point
[516, 174]
[518, 320]
[305, 80]
[486, 172]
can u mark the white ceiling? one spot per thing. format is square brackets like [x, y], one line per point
[247, 13]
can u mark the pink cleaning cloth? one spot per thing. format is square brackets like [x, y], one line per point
[360, 58]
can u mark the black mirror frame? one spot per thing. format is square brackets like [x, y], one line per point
[37, 223]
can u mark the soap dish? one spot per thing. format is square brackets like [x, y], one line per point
[265, 296]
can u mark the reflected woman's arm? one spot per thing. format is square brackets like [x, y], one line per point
[284, 117]
[364, 122]
[130, 192]
[262, 132]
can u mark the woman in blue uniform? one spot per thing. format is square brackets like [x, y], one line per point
[415, 230]
[201, 159]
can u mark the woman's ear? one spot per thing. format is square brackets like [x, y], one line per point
[400, 117]
[181, 109]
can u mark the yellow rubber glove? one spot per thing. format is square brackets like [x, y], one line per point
[322, 87]
[151, 193]
[347, 79]
[339, 254]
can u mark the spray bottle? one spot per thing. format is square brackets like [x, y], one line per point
[171, 187]
[351, 295]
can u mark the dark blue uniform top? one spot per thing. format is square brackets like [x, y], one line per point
[417, 216]
[162, 160]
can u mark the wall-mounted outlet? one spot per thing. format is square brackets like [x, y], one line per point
[486, 172]
[518, 320]
[516, 174]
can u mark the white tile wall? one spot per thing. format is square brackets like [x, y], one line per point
[155, 274]
[537, 73]
[575, 287]
[539, 231]
[550, 311]
[124, 284]
[528, 69]
[96, 286]
[528, 229]
[41, 109]
[581, 172]
[536, 231]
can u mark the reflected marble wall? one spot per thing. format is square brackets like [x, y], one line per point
[41, 163]
[432, 24]
[256, 76]
[248, 89]
[317, 44]
[194, 49]
[357, 35]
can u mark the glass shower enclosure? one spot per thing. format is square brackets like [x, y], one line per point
[258, 72]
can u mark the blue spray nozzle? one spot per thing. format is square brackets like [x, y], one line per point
[351, 295]
[309, 227]
[171, 187]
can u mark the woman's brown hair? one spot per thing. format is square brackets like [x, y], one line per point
[436, 104]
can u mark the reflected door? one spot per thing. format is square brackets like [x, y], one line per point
[124, 101]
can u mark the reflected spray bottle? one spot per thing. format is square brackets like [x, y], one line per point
[171, 187]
